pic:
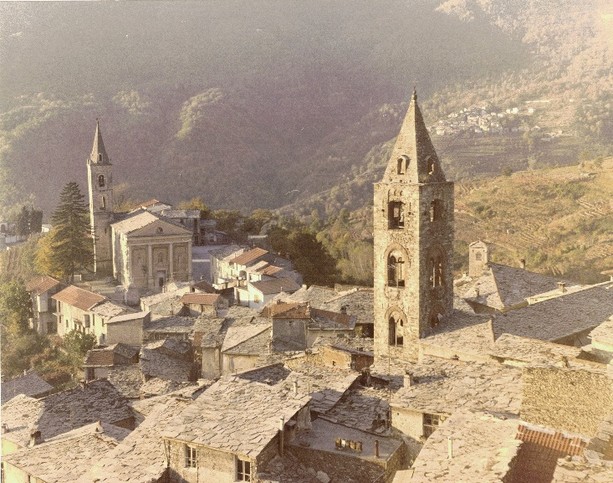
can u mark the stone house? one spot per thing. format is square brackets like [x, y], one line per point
[166, 302]
[41, 290]
[28, 384]
[98, 362]
[296, 326]
[436, 388]
[140, 457]
[26, 419]
[243, 347]
[169, 359]
[355, 301]
[203, 303]
[127, 328]
[258, 294]
[342, 355]
[90, 313]
[231, 431]
[66, 457]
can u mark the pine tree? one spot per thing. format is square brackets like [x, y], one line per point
[71, 243]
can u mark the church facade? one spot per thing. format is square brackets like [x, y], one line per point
[413, 220]
[140, 249]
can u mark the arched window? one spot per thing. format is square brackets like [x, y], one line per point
[395, 270]
[436, 264]
[396, 323]
[436, 210]
[101, 181]
[100, 157]
[396, 214]
[430, 162]
[402, 164]
[435, 319]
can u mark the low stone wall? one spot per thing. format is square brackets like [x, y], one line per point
[343, 467]
[566, 399]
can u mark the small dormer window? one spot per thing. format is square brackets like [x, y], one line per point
[101, 181]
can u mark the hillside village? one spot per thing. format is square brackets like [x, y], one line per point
[215, 362]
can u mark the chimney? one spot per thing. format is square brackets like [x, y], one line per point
[5, 428]
[296, 387]
[522, 263]
[35, 437]
[344, 309]
[562, 286]
[449, 447]
[281, 435]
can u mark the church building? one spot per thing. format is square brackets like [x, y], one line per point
[140, 249]
[413, 243]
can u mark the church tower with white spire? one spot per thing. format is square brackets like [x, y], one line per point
[413, 243]
[100, 187]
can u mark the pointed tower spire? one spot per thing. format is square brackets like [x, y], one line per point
[98, 154]
[413, 158]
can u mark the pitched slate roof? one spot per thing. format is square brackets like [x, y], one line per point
[236, 415]
[140, 457]
[42, 284]
[29, 384]
[326, 384]
[227, 252]
[68, 456]
[483, 449]
[532, 351]
[110, 356]
[502, 286]
[414, 142]
[64, 411]
[358, 301]
[283, 310]
[200, 298]
[166, 359]
[98, 154]
[560, 316]
[444, 386]
[128, 317]
[135, 222]
[111, 309]
[324, 319]
[79, 297]
[238, 334]
[277, 285]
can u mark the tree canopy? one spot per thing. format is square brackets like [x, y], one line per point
[68, 247]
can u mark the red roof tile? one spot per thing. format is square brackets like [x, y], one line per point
[249, 256]
[200, 298]
[78, 297]
[41, 284]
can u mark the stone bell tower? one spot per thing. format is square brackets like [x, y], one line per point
[413, 243]
[100, 187]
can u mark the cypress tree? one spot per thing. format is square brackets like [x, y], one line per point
[71, 243]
